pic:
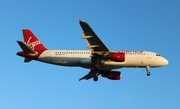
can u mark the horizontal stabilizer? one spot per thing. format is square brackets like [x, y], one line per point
[27, 60]
[25, 48]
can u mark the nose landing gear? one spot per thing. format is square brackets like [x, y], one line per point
[148, 73]
[147, 69]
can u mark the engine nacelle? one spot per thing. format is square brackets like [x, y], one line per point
[86, 61]
[118, 57]
[113, 75]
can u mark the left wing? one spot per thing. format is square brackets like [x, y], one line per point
[92, 40]
[98, 50]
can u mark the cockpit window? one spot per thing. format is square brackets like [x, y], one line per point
[158, 55]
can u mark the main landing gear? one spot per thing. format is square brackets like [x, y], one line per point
[95, 78]
[97, 71]
[147, 69]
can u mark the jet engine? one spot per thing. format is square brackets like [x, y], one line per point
[86, 61]
[113, 75]
[118, 57]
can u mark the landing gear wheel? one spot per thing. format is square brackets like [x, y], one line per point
[148, 73]
[95, 78]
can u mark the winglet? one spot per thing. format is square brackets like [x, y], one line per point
[79, 79]
[78, 20]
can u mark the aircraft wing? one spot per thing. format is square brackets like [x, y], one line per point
[92, 40]
[97, 47]
[90, 75]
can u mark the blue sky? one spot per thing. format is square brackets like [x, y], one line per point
[122, 25]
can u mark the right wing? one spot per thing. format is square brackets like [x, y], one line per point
[92, 40]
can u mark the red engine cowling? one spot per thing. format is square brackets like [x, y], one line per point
[118, 57]
[113, 75]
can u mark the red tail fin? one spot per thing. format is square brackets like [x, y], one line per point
[32, 41]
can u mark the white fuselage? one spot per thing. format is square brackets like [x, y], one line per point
[82, 58]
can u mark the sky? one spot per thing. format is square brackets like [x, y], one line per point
[151, 25]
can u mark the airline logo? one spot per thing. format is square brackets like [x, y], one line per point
[32, 44]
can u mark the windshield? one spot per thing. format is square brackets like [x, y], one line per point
[158, 55]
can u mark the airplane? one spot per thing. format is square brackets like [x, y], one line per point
[99, 59]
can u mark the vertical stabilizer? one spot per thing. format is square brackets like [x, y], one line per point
[32, 41]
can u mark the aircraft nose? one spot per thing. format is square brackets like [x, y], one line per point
[165, 61]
